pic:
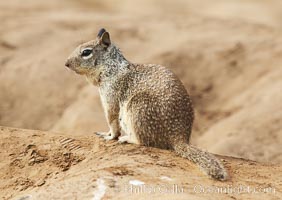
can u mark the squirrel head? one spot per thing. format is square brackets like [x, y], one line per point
[96, 57]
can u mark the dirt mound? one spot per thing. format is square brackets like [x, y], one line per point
[46, 165]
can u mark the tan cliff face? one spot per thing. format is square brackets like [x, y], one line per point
[227, 54]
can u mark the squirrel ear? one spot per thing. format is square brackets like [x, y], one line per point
[105, 39]
[100, 33]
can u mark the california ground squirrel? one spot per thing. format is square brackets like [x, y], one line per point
[144, 104]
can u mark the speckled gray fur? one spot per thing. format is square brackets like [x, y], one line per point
[146, 103]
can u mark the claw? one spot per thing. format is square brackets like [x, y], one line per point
[103, 134]
[109, 137]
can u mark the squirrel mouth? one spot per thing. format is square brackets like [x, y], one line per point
[79, 72]
[75, 70]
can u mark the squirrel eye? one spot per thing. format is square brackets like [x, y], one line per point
[86, 52]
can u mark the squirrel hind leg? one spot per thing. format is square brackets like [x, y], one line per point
[128, 133]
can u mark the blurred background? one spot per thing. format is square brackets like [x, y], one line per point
[228, 53]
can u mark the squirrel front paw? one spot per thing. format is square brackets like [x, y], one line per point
[103, 134]
[106, 135]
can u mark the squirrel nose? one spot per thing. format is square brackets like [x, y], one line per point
[67, 64]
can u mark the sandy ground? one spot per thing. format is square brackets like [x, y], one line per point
[228, 53]
[46, 165]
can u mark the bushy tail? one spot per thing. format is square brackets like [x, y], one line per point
[208, 163]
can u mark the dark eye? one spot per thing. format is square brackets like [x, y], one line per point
[86, 52]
